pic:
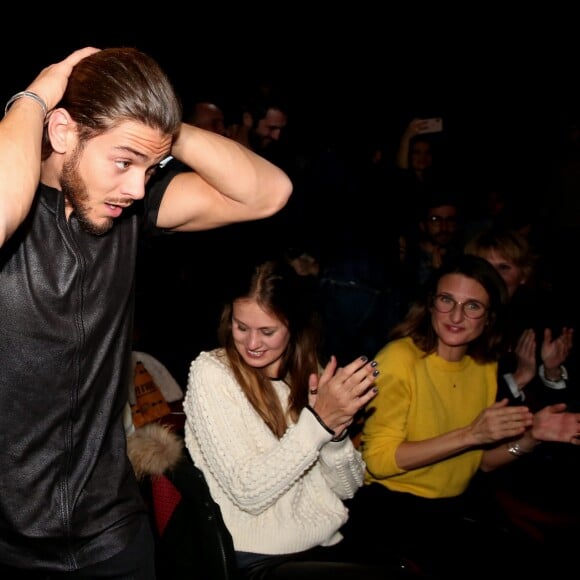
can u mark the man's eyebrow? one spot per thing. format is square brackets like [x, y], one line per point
[134, 152]
[130, 150]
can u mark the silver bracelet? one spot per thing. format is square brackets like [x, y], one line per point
[563, 375]
[517, 450]
[30, 95]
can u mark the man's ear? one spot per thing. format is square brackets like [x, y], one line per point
[61, 131]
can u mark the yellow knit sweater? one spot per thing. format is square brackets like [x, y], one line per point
[421, 397]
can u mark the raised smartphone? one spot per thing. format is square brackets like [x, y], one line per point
[433, 125]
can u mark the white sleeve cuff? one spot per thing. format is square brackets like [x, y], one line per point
[556, 385]
[513, 386]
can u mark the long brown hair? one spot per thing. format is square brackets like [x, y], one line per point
[284, 294]
[417, 323]
[116, 85]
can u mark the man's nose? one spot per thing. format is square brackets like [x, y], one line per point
[135, 187]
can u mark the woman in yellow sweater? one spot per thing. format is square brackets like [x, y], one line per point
[435, 423]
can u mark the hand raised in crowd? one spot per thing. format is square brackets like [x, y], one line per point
[555, 351]
[500, 421]
[525, 352]
[339, 392]
[415, 127]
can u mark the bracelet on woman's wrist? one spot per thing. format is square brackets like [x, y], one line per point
[517, 450]
[322, 423]
[29, 95]
[341, 437]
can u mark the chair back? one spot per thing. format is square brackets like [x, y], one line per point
[193, 540]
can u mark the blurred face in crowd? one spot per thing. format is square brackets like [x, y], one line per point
[268, 130]
[259, 337]
[458, 314]
[210, 117]
[440, 224]
[512, 274]
[421, 157]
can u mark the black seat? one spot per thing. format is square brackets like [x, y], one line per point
[192, 540]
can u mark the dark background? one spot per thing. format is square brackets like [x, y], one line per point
[505, 83]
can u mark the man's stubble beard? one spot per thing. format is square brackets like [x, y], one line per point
[75, 191]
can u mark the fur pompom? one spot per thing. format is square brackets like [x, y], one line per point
[154, 449]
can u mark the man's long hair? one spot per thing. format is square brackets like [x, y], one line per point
[116, 85]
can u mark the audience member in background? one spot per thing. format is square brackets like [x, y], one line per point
[499, 202]
[206, 114]
[80, 180]
[435, 423]
[418, 160]
[538, 333]
[437, 236]
[540, 492]
[262, 121]
[268, 428]
[418, 170]
[303, 263]
[491, 205]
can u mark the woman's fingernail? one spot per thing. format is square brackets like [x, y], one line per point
[364, 358]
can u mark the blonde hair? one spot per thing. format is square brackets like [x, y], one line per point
[508, 243]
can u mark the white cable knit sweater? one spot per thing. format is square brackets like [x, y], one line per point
[277, 496]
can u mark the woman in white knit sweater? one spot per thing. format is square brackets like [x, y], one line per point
[268, 428]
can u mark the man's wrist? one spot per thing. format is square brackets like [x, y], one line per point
[555, 374]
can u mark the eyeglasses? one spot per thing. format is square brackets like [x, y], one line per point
[472, 308]
[437, 219]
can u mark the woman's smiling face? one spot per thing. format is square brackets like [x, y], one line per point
[455, 330]
[259, 336]
[512, 275]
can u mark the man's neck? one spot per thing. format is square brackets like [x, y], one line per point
[50, 172]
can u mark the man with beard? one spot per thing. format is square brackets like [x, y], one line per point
[438, 236]
[78, 153]
[262, 122]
